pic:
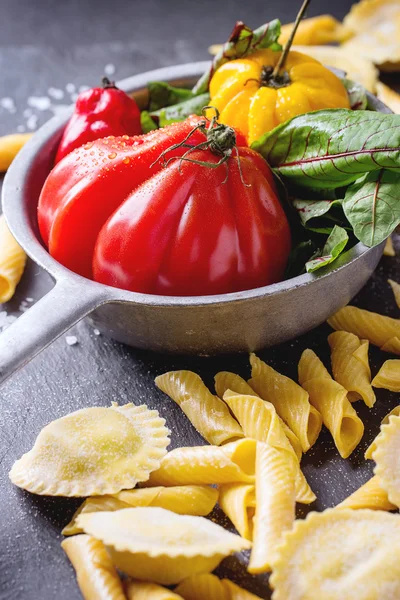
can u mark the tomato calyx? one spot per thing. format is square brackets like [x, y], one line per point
[220, 140]
[107, 84]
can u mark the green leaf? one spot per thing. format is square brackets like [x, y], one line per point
[147, 122]
[312, 209]
[357, 94]
[298, 256]
[334, 245]
[179, 112]
[242, 42]
[372, 206]
[161, 94]
[327, 149]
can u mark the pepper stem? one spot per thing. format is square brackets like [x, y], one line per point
[281, 62]
[106, 83]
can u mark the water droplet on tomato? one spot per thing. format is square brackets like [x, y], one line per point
[125, 137]
[112, 155]
[126, 161]
[88, 145]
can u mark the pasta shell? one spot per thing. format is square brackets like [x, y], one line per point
[388, 376]
[378, 329]
[275, 505]
[290, 400]
[260, 422]
[237, 500]
[371, 449]
[208, 414]
[387, 458]
[184, 500]
[97, 577]
[330, 399]
[389, 247]
[93, 451]
[154, 544]
[202, 465]
[12, 262]
[209, 587]
[350, 365]
[370, 495]
[340, 555]
[142, 590]
[396, 290]
[225, 381]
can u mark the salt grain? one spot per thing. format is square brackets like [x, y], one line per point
[8, 104]
[6, 320]
[39, 102]
[96, 332]
[109, 69]
[70, 87]
[32, 122]
[55, 93]
[71, 340]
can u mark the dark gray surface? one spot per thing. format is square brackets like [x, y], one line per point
[45, 44]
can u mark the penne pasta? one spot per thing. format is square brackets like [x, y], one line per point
[388, 376]
[275, 505]
[372, 447]
[12, 262]
[142, 590]
[225, 381]
[350, 365]
[10, 145]
[330, 399]
[380, 330]
[370, 495]
[260, 422]
[290, 400]
[207, 413]
[96, 575]
[202, 465]
[389, 248]
[396, 290]
[237, 500]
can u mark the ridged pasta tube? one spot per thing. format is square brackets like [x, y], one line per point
[396, 290]
[209, 587]
[142, 590]
[330, 399]
[237, 500]
[388, 376]
[372, 447]
[370, 495]
[12, 262]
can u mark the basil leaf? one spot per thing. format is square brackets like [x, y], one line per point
[147, 122]
[298, 256]
[327, 149]
[179, 112]
[162, 94]
[357, 94]
[242, 42]
[372, 206]
[334, 245]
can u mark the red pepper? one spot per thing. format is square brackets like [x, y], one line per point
[100, 112]
[209, 222]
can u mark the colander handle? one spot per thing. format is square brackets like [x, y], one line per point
[65, 304]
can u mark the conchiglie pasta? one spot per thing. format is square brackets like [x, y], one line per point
[388, 376]
[196, 500]
[372, 447]
[260, 421]
[237, 500]
[350, 365]
[12, 262]
[290, 400]
[154, 544]
[207, 413]
[142, 590]
[380, 330]
[96, 575]
[396, 290]
[275, 505]
[370, 495]
[330, 399]
[202, 465]
[225, 381]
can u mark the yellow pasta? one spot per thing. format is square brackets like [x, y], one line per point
[323, 29]
[230, 381]
[93, 451]
[340, 555]
[202, 465]
[96, 575]
[10, 145]
[387, 458]
[142, 590]
[196, 500]
[380, 330]
[260, 421]
[275, 505]
[237, 500]
[209, 587]
[389, 247]
[396, 290]
[207, 413]
[370, 495]
[154, 544]
[12, 262]
[330, 399]
[350, 365]
[388, 376]
[371, 449]
[290, 400]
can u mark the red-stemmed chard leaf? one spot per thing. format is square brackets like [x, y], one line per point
[334, 245]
